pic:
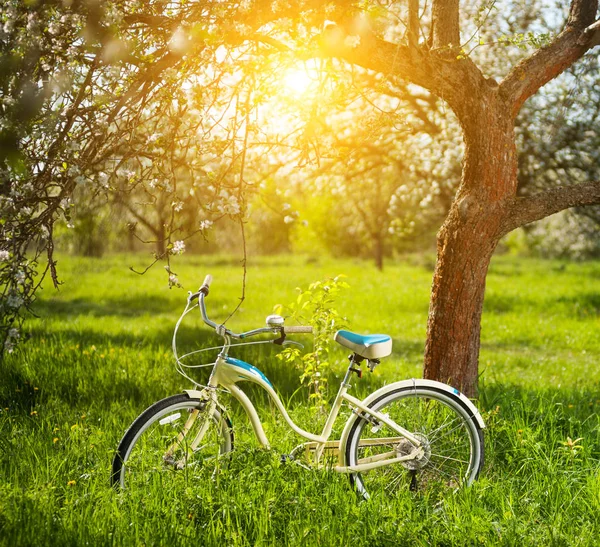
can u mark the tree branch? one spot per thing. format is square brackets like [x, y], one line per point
[591, 35]
[579, 34]
[445, 29]
[413, 23]
[445, 78]
[538, 206]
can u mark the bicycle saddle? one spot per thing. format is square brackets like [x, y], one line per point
[369, 346]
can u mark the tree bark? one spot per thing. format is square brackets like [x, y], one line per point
[160, 238]
[445, 29]
[538, 206]
[466, 243]
[486, 206]
[379, 252]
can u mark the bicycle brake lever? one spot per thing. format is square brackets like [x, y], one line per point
[291, 343]
[191, 295]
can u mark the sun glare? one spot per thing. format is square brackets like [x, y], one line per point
[297, 81]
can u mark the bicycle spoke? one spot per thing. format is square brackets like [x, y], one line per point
[158, 449]
[448, 458]
[431, 434]
[446, 434]
[447, 443]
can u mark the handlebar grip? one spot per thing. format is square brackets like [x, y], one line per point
[298, 329]
[206, 284]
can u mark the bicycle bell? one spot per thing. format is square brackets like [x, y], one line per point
[275, 321]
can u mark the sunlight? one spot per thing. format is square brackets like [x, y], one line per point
[297, 81]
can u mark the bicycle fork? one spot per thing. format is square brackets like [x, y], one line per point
[168, 456]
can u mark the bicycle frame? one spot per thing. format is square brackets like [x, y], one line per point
[228, 371]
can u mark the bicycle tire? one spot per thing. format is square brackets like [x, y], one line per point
[142, 455]
[440, 420]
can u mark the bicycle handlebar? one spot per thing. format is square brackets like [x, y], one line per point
[206, 285]
[203, 292]
[295, 329]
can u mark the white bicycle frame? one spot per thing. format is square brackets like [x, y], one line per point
[228, 371]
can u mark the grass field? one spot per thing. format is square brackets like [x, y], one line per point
[100, 353]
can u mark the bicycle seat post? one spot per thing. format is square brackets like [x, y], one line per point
[354, 359]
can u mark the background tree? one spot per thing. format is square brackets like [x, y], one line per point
[558, 140]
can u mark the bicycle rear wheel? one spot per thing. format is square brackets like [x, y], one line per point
[452, 443]
[157, 450]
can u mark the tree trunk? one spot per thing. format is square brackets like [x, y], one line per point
[379, 252]
[466, 243]
[160, 238]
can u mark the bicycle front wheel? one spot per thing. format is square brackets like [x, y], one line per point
[452, 443]
[172, 442]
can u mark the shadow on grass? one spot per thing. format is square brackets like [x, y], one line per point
[501, 303]
[524, 423]
[122, 306]
[82, 367]
[157, 338]
[568, 404]
[132, 306]
[584, 304]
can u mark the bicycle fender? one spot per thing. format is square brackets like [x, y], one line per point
[195, 394]
[414, 383]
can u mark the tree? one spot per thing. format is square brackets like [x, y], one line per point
[101, 91]
[86, 90]
[486, 206]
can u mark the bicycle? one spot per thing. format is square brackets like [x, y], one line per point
[420, 433]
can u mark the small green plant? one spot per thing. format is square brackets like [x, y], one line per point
[571, 449]
[315, 306]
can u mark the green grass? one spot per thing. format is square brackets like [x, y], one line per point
[100, 353]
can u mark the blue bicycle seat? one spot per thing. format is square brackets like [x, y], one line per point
[369, 346]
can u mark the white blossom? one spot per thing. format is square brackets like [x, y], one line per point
[352, 41]
[54, 28]
[229, 205]
[288, 219]
[9, 26]
[178, 248]
[4, 256]
[103, 179]
[14, 300]
[32, 23]
[205, 224]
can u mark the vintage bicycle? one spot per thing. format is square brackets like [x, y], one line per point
[418, 434]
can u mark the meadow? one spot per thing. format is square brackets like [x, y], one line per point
[99, 353]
